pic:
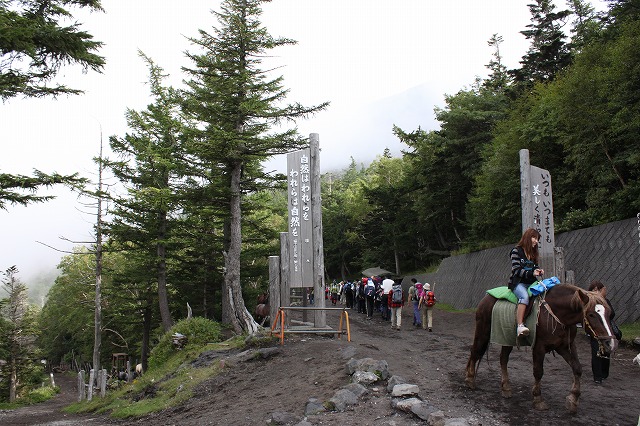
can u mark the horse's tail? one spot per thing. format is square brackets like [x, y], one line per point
[481, 338]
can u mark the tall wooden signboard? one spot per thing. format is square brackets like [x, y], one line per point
[306, 258]
[537, 209]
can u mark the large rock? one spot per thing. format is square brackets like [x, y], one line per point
[423, 410]
[378, 367]
[341, 399]
[357, 389]
[405, 389]
[314, 406]
[405, 404]
[394, 380]
[364, 377]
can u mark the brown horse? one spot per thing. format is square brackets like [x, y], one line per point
[561, 309]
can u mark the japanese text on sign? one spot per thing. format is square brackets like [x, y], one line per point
[299, 196]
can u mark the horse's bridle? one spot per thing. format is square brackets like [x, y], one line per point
[585, 323]
[587, 326]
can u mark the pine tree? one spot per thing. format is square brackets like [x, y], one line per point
[18, 336]
[148, 168]
[238, 105]
[548, 52]
[35, 45]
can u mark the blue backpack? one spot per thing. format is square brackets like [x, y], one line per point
[369, 290]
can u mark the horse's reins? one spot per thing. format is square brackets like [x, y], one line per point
[550, 312]
[544, 303]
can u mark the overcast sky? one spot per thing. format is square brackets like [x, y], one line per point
[379, 63]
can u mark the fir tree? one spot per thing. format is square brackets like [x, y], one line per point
[239, 106]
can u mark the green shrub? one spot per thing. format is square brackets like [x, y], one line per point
[199, 331]
[41, 394]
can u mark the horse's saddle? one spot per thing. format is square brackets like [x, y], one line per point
[504, 293]
[503, 324]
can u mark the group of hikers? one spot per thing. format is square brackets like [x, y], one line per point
[386, 296]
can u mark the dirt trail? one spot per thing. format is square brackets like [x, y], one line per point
[313, 366]
[50, 413]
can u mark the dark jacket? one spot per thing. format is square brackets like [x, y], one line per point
[521, 268]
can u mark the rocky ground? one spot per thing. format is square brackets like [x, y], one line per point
[249, 393]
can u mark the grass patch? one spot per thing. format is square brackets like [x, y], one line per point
[165, 386]
[630, 332]
[34, 396]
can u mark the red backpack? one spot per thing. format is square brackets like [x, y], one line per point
[430, 298]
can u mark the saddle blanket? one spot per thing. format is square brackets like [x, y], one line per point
[503, 324]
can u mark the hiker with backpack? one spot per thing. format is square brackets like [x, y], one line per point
[360, 296]
[415, 292]
[347, 289]
[386, 286]
[425, 305]
[395, 301]
[369, 294]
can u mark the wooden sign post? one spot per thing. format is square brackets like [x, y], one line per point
[537, 209]
[305, 250]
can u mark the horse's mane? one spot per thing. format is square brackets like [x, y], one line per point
[595, 298]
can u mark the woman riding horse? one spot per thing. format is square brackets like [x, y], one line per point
[524, 272]
[561, 308]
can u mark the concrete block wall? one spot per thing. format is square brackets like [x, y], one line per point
[609, 253]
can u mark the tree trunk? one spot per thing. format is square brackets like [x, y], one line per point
[396, 257]
[163, 299]
[146, 333]
[234, 310]
[13, 381]
[97, 317]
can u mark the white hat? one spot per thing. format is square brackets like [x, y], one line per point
[426, 286]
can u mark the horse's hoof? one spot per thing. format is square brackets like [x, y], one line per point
[571, 404]
[540, 406]
[506, 394]
[471, 383]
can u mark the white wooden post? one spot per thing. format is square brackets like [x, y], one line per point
[103, 383]
[285, 270]
[320, 317]
[81, 386]
[92, 379]
[274, 288]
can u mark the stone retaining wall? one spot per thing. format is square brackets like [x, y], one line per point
[609, 253]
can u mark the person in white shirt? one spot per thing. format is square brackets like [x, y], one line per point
[387, 283]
